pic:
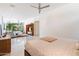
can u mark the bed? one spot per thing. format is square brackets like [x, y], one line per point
[60, 47]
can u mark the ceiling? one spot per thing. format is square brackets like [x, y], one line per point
[24, 10]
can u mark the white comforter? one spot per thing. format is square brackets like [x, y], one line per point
[59, 47]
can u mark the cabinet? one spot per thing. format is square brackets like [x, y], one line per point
[30, 29]
[33, 28]
[5, 45]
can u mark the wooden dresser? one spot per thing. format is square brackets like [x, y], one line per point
[5, 45]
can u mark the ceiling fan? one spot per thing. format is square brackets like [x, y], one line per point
[40, 7]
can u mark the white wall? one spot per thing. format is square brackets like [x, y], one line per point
[63, 22]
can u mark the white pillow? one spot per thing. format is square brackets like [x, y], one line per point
[49, 38]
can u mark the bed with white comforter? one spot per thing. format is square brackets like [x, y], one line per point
[60, 47]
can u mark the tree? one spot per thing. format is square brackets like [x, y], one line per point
[11, 27]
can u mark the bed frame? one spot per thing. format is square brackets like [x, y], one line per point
[26, 53]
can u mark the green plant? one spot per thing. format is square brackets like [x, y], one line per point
[14, 27]
[11, 26]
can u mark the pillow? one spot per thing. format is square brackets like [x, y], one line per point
[49, 38]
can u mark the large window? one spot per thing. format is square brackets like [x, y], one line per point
[14, 27]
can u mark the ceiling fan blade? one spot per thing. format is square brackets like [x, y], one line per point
[45, 6]
[34, 6]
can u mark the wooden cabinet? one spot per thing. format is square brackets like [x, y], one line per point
[30, 29]
[33, 28]
[5, 45]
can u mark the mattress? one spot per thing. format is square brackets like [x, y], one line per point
[60, 47]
